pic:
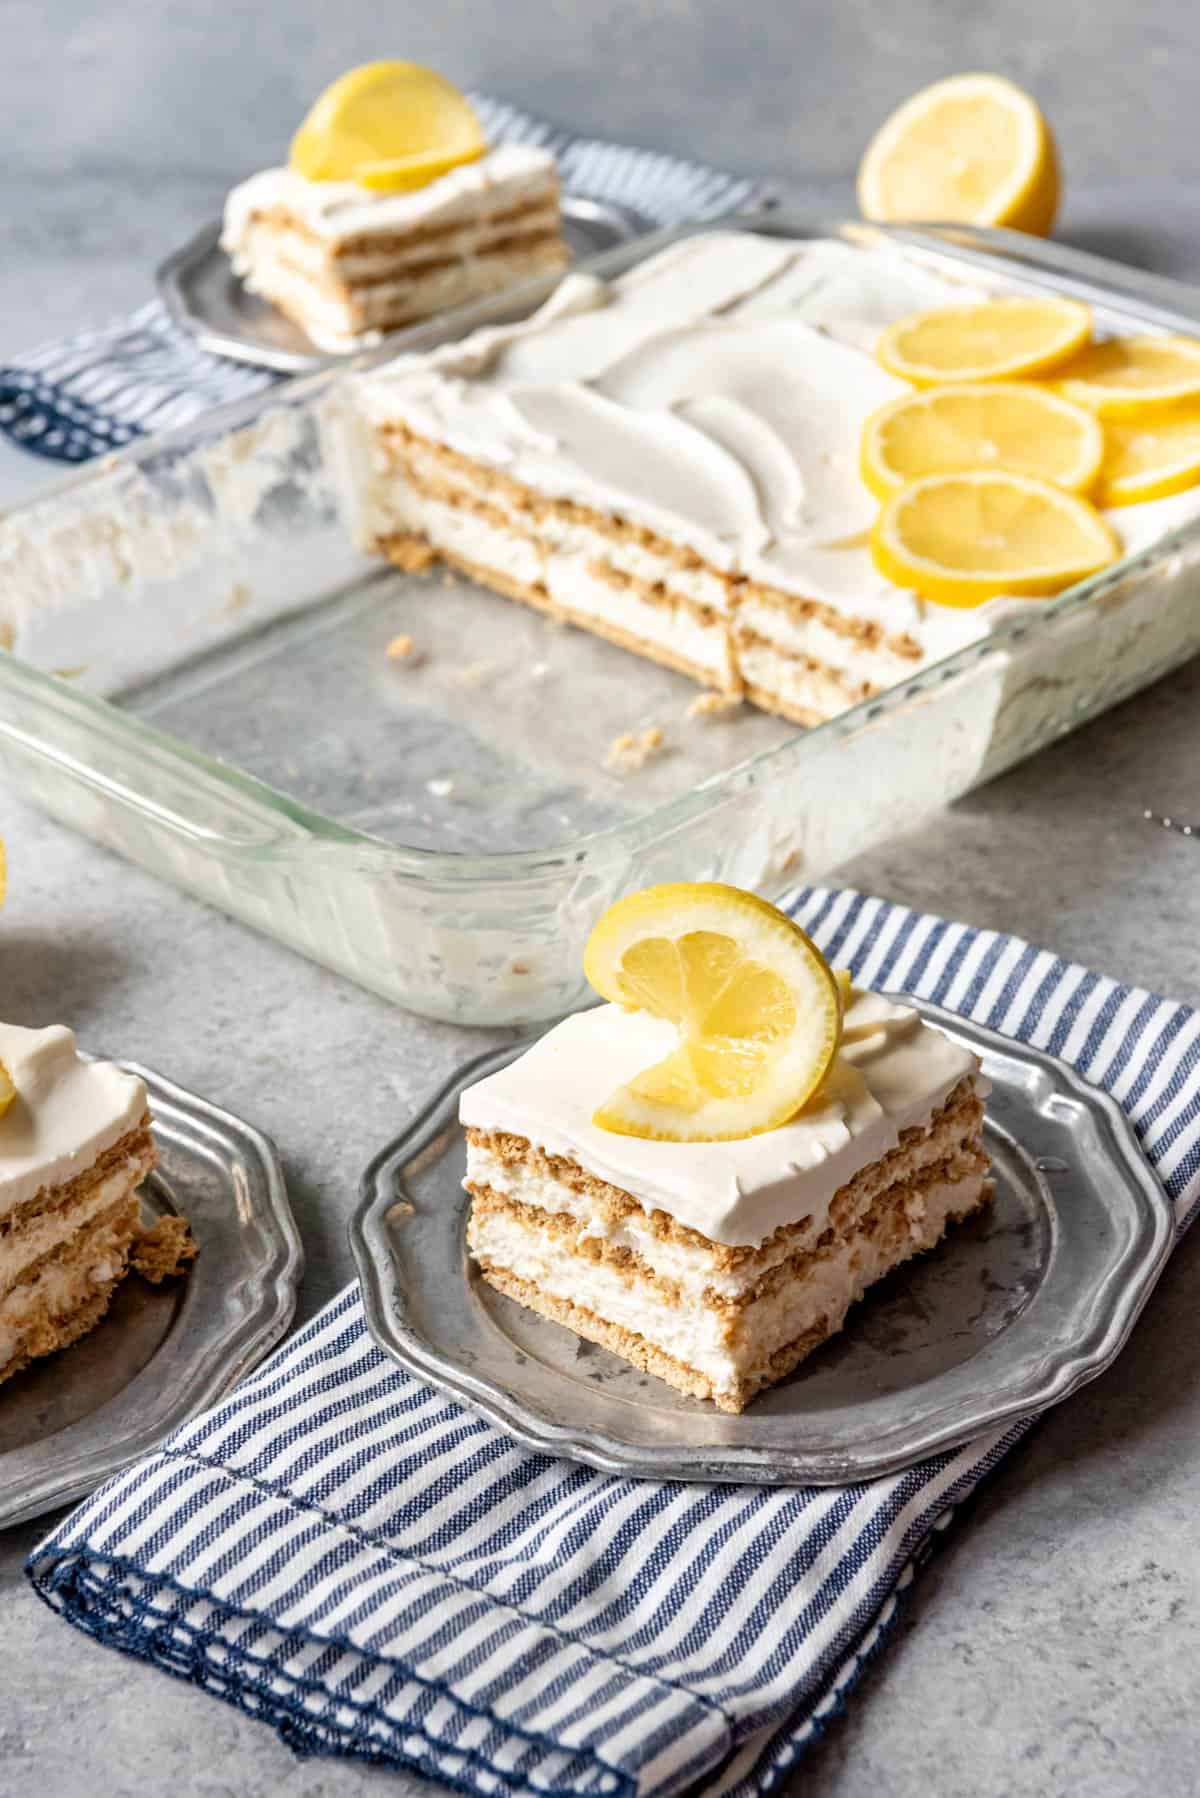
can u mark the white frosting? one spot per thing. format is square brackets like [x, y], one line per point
[716, 395]
[506, 177]
[67, 1111]
[891, 1071]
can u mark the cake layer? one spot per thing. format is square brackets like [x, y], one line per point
[69, 1292]
[601, 1222]
[892, 1073]
[39, 1228]
[68, 1113]
[723, 1352]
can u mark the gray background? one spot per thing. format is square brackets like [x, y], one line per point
[1052, 1646]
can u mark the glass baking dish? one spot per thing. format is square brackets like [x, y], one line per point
[198, 678]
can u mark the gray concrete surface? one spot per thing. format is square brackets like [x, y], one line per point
[1051, 1648]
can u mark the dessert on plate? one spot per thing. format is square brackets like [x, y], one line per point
[705, 1173]
[75, 1146]
[796, 471]
[392, 207]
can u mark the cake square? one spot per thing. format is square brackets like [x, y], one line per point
[347, 263]
[75, 1146]
[718, 1266]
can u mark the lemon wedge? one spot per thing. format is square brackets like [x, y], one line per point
[1005, 339]
[963, 538]
[389, 126]
[1133, 377]
[757, 1007]
[1150, 458]
[973, 149]
[8, 1091]
[1000, 424]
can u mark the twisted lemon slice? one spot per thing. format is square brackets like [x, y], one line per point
[757, 1007]
[972, 149]
[1006, 339]
[999, 424]
[389, 126]
[962, 538]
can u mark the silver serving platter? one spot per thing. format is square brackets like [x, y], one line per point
[1013, 1311]
[162, 1353]
[205, 297]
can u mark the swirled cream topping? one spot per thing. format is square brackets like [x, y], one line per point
[891, 1071]
[716, 395]
[66, 1113]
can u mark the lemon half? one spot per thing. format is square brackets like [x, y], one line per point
[973, 149]
[757, 1007]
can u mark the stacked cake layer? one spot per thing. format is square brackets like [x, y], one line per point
[75, 1146]
[347, 264]
[719, 1266]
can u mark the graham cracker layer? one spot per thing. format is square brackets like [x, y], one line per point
[896, 1238]
[340, 248]
[67, 1297]
[136, 1145]
[538, 522]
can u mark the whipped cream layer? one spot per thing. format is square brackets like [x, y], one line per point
[67, 1111]
[716, 395]
[510, 176]
[891, 1071]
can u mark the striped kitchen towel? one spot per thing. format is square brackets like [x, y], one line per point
[100, 390]
[378, 1573]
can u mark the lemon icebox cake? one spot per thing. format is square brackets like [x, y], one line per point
[75, 1146]
[347, 264]
[717, 1264]
[672, 460]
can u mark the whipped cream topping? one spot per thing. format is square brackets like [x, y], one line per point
[715, 394]
[508, 176]
[67, 1111]
[891, 1071]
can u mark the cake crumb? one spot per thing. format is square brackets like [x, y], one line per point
[164, 1249]
[403, 649]
[441, 789]
[473, 674]
[633, 749]
[237, 597]
[714, 705]
[520, 967]
[75, 673]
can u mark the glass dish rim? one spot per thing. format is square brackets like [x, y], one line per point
[1156, 300]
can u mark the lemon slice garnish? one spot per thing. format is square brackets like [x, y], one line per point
[1009, 425]
[388, 126]
[1150, 458]
[963, 538]
[1133, 377]
[757, 1007]
[973, 149]
[8, 1091]
[995, 340]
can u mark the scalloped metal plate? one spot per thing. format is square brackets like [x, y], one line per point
[162, 1354]
[1015, 1310]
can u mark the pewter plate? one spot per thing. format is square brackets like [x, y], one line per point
[205, 297]
[163, 1353]
[1011, 1313]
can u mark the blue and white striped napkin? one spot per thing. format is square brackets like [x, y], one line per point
[377, 1573]
[102, 389]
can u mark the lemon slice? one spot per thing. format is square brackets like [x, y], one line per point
[1151, 458]
[973, 149]
[994, 340]
[757, 1007]
[1010, 425]
[1132, 377]
[388, 126]
[8, 1091]
[962, 538]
